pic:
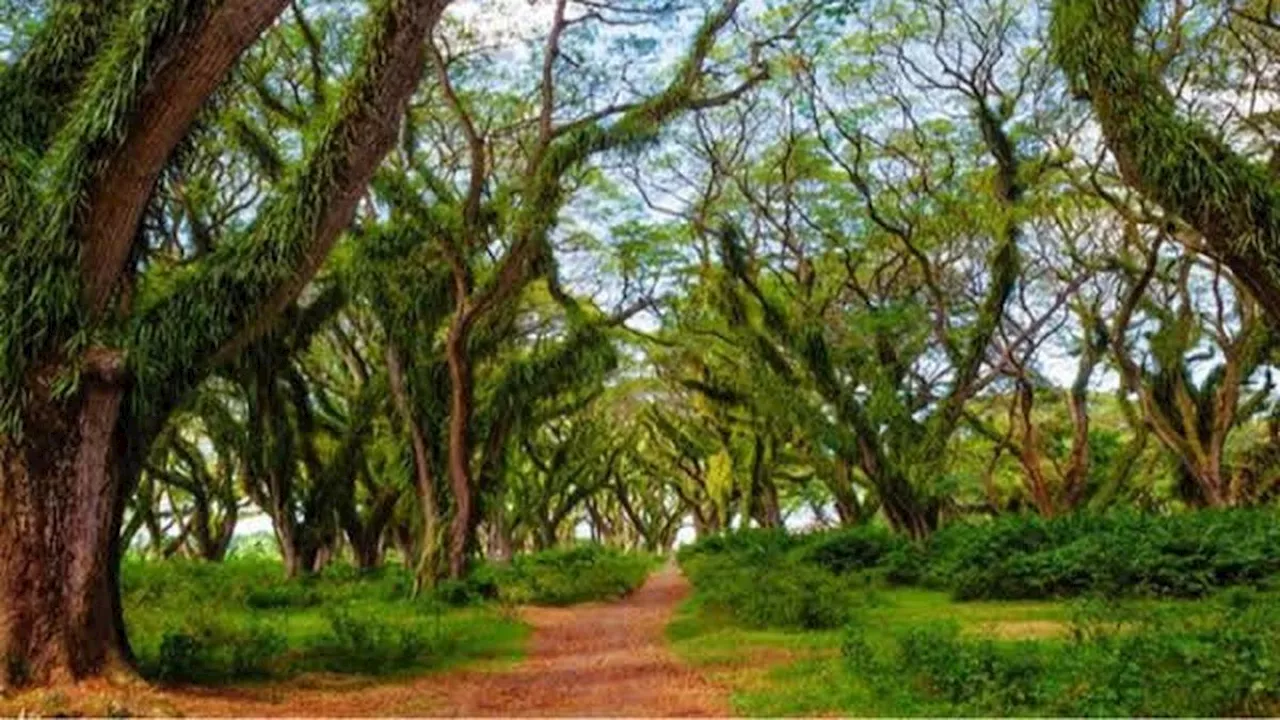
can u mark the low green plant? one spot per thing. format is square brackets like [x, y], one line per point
[1223, 659]
[371, 645]
[581, 573]
[778, 592]
[1014, 557]
[1122, 553]
[208, 651]
[209, 623]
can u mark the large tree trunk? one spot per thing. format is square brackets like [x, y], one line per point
[367, 552]
[61, 508]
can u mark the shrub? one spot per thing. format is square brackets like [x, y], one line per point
[565, 576]
[774, 591]
[211, 651]
[226, 622]
[850, 549]
[1125, 553]
[456, 593]
[281, 595]
[368, 645]
[978, 676]
[1225, 662]
[753, 542]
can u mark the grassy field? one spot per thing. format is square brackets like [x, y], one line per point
[1182, 621]
[787, 672]
[776, 672]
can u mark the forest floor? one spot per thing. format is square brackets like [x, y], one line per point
[594, 659]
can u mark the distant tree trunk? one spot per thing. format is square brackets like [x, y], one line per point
[603, 530]
[460, 406]
[317, 557]
[402, 537]
[212, 542]
[426, 566]
[365, 534]
[500, 543]
[303, 549]
[544, 536]
[59, 581]
[367, 553]
[905, 511]
[763, 505]
[848, 508]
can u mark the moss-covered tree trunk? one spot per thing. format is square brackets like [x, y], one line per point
[1170, 156]
[426, 568]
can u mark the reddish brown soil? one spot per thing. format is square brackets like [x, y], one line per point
[586, 660]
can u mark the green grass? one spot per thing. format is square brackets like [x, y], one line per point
[776, 672]
[241, 621]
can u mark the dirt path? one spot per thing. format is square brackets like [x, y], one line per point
[594, 660]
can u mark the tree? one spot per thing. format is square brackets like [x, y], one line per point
[1178, 161]
[833, 323]
[96, 349]
[1193, 417]
[495, 213]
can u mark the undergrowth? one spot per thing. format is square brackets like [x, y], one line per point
[241, 620]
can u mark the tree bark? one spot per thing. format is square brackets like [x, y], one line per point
[848, 508]
[426, 568]
[61, 509]
[193, 70]
[500, 545]
[460, 406]
[1165, 153]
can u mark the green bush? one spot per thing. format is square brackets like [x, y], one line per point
[768, 579]
[564, 576]
[753, 542]
[1225, 662]
[784, 595]
[852, 549]
[456, 593]
[369, 645]
[1016, 557]
[980, 676]
[1126, 553]
[210, 651]
[241, 619]
[281, 595]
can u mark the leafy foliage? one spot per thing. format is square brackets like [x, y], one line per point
[1008, 558]
[1220, 661]
[241, 620]
[565, 576]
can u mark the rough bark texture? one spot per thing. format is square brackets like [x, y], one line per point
[62, 483]
[60, 619]
[193, 71]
